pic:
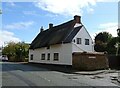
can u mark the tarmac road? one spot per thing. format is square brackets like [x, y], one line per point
[16, 74]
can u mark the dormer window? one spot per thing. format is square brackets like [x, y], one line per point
[79, 41]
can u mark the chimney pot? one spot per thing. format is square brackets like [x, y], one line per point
[50, 25]
[77, 19]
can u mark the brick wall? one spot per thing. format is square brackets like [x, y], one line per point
[89, 61]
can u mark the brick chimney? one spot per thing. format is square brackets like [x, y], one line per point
[77, 19]
[50, 25]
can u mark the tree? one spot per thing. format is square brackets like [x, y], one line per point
[103, 37]
[118, 32]
[22, 50]
[16, 51]
[101, 41]
[105, 42]
[0, 11]
[9, 50]
[111, 49]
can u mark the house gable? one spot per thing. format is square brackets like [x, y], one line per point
[83, 35]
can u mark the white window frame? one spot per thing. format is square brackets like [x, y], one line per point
[42, 56]
[54, 57]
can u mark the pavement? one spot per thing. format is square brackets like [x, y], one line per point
[95, 72]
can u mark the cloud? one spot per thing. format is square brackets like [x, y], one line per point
[6, 36]
[107, 0]
[30, 13]
[37, 0]
[11, 4]
[65, 7]
[90, 10]
[108, 27]
[19, 25]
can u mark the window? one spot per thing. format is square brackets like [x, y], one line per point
[31, 57]
[48, 56]
[78, 40]
[86, 41]
[74, 40]
[56, 56]
[43, 57]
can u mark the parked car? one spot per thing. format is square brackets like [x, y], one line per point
[3, 58]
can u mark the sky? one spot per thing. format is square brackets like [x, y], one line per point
[21, 20]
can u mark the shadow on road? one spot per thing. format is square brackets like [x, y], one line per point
[53, 67]
[6, 66]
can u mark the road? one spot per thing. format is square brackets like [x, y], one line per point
[17, 74]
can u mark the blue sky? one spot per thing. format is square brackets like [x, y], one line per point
[21, 21]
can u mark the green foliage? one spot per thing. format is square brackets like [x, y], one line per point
[9, 50]
[111, 49]
[105, 42]
[16, 51]
[100, 46]
[118, 32]
[103, 37]
[101, 41]
[0, 11]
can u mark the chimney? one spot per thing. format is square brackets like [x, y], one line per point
[41, 29]
[77, 19]
[50, 25]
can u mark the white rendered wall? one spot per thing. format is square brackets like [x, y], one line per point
[83, 34]
[64, 50]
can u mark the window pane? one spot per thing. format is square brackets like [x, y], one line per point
[43, 57]
[86, 41]
[31, 57]
[78, 40]
[56, 56]
[48, 57]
